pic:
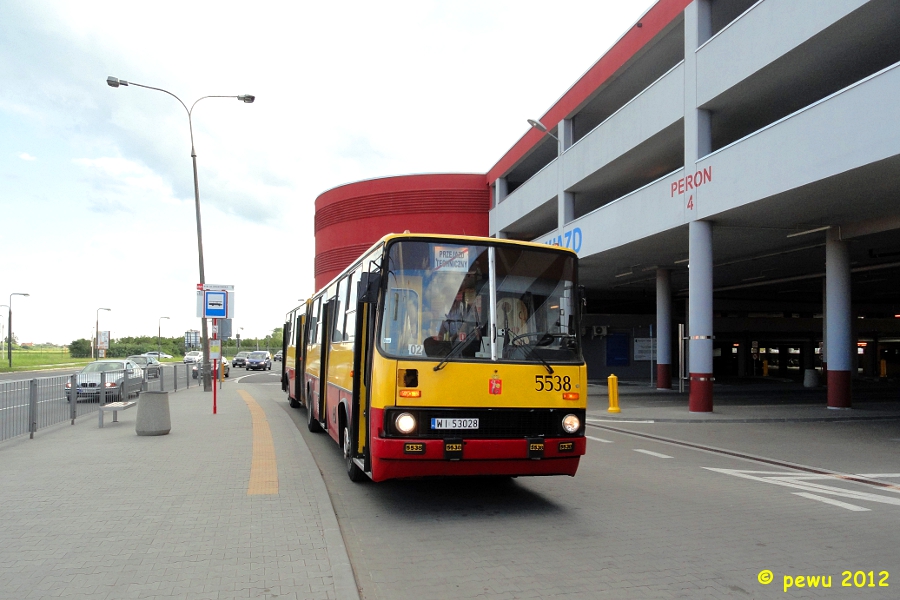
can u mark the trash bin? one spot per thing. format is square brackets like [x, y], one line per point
[153, 414]
[810, 378]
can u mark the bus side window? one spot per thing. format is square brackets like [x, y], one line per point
[350, 314]
[340, 306]
[314, 322]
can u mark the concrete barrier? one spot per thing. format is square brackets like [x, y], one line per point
[153, 414]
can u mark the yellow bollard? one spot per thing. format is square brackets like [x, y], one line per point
[613, 383]
[883, 369]
[765, 368]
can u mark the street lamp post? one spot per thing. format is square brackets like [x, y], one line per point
[247, 98]
[9, 327]
[158, 332]
[2, 328]
[97, 332]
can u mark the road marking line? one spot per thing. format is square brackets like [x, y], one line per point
[795, 481]
[598, 439]
[872, 481]
[263, 466]
[832, 502]
[592, 420]
[656, 454]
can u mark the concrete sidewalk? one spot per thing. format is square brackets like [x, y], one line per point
[107, 514]
[746, 401]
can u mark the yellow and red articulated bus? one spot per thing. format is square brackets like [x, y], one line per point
[437, 355]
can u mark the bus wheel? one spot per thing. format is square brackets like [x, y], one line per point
[311, 422]
[293, 401]
[353, 471]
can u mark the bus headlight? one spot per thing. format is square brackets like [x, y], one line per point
[405, 423]
[571, 423]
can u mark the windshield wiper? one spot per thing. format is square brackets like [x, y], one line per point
[530, 352]
[453, 351]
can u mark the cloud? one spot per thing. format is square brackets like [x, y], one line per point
[26, 156]
[119, 183]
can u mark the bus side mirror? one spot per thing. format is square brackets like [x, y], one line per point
[369, 284]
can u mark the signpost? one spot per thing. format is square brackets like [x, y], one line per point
[103, 344]
[215, 301]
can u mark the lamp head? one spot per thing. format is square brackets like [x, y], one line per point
[113, 82]
[537, 125]
[248, 98]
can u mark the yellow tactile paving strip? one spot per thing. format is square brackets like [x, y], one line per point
[263, 466]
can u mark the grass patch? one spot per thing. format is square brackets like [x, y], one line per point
[34, 360]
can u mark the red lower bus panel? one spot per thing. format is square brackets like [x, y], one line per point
[480, 457]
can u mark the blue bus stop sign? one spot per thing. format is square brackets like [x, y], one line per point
[215, 304]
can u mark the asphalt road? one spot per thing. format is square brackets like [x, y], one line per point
[643, 518]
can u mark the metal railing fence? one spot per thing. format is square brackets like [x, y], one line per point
[27, 405]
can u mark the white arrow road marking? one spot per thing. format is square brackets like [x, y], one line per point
[846, 505]
[804, 482]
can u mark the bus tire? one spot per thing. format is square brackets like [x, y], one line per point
[355, 474]
[293, 401]
[311, 423]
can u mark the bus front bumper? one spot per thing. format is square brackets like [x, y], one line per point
[400, 458]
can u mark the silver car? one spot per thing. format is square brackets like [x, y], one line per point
[195, 370]
[89, 379]
[150, 365]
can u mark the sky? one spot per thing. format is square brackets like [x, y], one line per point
[96, 183]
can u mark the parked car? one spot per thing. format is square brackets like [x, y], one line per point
[278, 355]
[149, 364]
[194, 356]
[259, 360]
[195, 370]
[88, 380]
[240, 359]
[157, 355]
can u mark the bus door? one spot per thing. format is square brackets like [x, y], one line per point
[325, 323]
[299, 357]
[285, 339]
[363, 351]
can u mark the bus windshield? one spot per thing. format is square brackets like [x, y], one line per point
[480, 302]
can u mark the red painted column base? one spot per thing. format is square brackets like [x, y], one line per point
[839, 389]
[701, 398]
[663, 377]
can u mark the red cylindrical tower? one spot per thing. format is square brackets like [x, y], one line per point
[352, 217]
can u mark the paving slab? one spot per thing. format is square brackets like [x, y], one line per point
[105, 513]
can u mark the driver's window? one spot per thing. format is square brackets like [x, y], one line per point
[400, 329]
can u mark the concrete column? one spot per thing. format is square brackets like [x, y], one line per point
[825, 327]
[501, 190]
[566, 135]
[663, 329]
[700, 296]
[565, 200]
[697, 130]
[838, 323]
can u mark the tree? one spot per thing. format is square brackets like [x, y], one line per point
[80, 348]
[277, 338]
